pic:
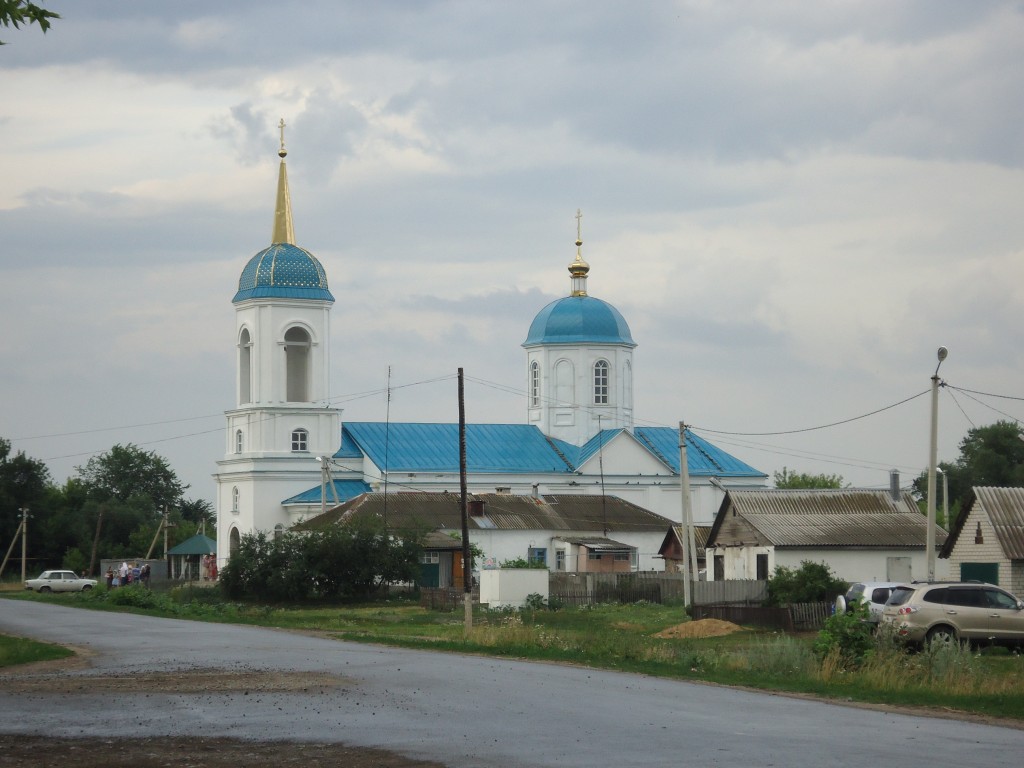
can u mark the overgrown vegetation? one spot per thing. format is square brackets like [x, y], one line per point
[810, 583]
[353, 561]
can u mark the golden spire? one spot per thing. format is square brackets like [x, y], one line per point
[579, 268]
[283, 230]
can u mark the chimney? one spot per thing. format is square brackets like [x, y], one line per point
[894, 484]
[476, 507]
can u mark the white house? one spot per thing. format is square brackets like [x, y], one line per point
[862, 535]
[987, 541]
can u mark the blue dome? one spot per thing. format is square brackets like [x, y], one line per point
[576, 319]
[283, 271]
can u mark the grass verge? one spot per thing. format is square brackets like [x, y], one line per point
[20, 650]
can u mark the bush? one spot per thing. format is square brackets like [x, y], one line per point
[847, 635]
[810, 583]
[355, 560]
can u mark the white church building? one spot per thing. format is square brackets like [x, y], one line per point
[287, 457]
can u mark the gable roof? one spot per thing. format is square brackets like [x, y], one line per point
[495, 448]
[501, 511]
[1005, 510]
[863, 518]
[674, 540]
[520, 448]
[197, 545]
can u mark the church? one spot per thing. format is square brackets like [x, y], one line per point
[289, 457]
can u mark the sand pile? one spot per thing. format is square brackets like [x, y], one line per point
[701, 628]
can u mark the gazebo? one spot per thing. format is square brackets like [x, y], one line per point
[190, 560]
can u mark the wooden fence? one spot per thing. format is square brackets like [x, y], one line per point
[798, 617]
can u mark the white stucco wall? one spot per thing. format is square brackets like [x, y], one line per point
[509, 587]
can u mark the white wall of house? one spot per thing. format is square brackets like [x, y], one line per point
[510, 545]
[848, 564]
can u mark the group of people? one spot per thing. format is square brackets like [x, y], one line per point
[128, 574]
[209, 566]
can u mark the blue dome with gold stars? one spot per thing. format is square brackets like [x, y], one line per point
[283, 271]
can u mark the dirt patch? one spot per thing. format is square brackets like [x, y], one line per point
[190, 681]
[190, 752]
[700, 628]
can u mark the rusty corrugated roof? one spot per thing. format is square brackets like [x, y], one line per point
[501, 511]
[832, 518]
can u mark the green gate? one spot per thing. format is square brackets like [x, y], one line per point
[987, 572]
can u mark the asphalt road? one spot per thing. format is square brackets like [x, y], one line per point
[461, 710]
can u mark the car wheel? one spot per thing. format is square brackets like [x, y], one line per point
[44, 589]
[87, 587]
[941, 636]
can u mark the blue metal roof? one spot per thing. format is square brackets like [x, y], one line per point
[702, 458]
[435, 447]
[579, 319]
[519, 448]
[346, 489]
[283, 271]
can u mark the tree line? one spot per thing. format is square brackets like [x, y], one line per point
[111, 508]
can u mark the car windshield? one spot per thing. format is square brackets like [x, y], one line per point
[899, 595]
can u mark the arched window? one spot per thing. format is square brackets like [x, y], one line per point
[278, 531]
[244, 367]
[535, 384]
[601, 382]
[627, 385]
[296, 350]
[565, 391]
[239, 442]
[300, 440]
[233, 542]
[234, 499]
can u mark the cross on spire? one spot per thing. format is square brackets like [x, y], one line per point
[282, 151]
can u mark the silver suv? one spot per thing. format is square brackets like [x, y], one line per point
[947, 612]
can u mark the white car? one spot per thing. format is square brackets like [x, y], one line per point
[60, 581]
[873, 594]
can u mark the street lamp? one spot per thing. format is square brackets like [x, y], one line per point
[932, 464]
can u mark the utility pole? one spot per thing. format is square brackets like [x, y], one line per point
[684, 489]
[24, 540]
[929, 544]
[96, 539]
[14, 540]
[467, 570]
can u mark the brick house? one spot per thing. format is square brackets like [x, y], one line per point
[987, 541]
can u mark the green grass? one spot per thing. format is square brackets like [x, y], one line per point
[623, 637]
[20, 650]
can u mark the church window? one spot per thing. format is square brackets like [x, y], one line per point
[278, 531]
[233, 542]
[601, 382]
[300, 440]
[234, 499]
[627, 385]
[535, 384]
[297, 346]
[239, 443]
[244, 368]
[564, 383]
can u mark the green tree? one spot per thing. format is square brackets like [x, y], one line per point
[127, 471]
[810, 583]
[992, 455]
[14, 13]
[791, 480]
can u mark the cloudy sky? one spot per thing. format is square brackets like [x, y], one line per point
[792, 203]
